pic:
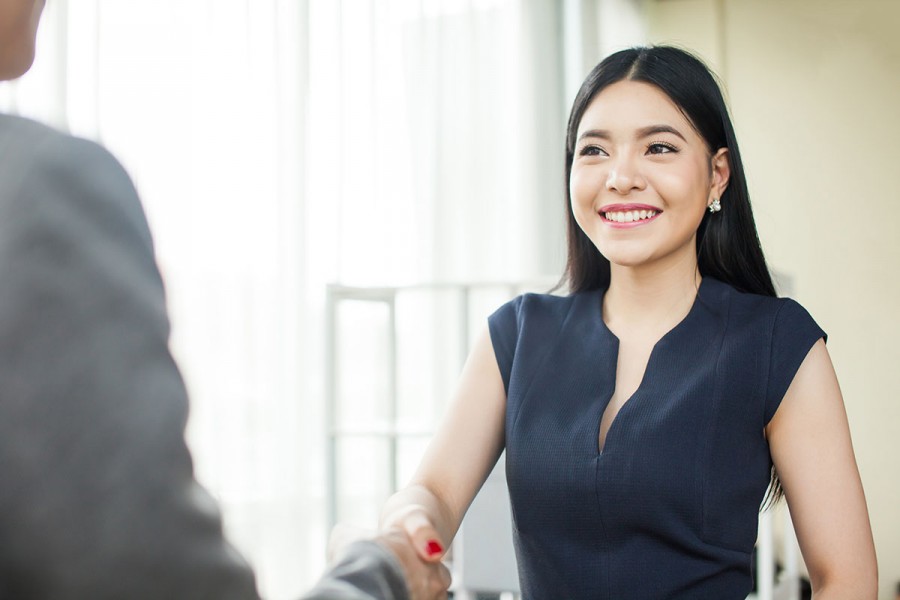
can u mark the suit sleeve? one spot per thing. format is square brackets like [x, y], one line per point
[366, 572]
[98, 498]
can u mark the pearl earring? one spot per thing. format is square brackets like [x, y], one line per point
[716, 206]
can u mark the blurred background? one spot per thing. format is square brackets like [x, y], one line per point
[388, 145]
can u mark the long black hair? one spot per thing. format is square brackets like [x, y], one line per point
[728, 247]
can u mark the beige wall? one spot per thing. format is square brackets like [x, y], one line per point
[814, 87]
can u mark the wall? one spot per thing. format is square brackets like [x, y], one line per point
[814, 88]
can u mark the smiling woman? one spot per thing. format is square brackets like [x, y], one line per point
[645, 415]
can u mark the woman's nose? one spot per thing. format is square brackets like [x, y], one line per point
[624, 177]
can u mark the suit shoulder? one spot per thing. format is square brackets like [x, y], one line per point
[27, 145]
[25, 132]
[48, 172]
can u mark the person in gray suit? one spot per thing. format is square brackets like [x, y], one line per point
[97, 493]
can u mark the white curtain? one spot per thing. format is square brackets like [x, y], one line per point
[202, 102]
[280, 145]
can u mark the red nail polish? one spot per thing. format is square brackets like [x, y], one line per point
[433, 547]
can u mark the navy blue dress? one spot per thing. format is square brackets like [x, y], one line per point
[669, 508]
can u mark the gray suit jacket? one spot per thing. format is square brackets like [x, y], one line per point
[97, 494]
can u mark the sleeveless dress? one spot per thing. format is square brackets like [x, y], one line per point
[669, 508]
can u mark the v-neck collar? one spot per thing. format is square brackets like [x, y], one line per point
[612, 358]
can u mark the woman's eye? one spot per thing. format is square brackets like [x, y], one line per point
[592, 151]
[661, 148]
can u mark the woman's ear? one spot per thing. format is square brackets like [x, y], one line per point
[721, 173]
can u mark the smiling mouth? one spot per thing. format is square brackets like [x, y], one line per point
[629, 216]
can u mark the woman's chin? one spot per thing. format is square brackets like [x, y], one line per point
[632, 259]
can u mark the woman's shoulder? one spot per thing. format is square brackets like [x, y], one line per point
[760, 310]
[537, 318]
[546, 306]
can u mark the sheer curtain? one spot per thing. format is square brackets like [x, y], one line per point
[437, 126]
[202, 100]
[280, 145]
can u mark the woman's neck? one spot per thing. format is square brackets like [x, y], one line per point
[650, 297]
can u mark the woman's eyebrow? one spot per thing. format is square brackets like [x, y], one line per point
[595, 133]
[654, 129]
[642, 133]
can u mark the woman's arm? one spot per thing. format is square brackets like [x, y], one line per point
[809, 438]
[458, 460]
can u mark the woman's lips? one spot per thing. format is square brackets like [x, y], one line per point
[628, 215]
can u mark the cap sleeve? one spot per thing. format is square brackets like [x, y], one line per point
[504, 329]
[794, 333]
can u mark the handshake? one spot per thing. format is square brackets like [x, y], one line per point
[411, 539]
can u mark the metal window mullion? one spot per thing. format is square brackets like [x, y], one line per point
[393, 412]
[331, 359]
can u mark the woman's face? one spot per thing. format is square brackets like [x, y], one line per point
[18, 28]
[642, 177]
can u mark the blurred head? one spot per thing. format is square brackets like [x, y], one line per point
[727, 244]
[18, 28]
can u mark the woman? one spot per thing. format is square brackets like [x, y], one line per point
[645, 415]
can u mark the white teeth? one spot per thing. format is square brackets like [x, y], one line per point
[629, 216]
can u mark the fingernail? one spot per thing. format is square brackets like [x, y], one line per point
[433, 547]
